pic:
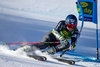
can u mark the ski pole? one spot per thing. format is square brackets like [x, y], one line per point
[30, 43]
[64, 52]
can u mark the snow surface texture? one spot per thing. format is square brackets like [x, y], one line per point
[29, 21]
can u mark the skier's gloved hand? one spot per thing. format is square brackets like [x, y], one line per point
[63, 41]
[73, 46]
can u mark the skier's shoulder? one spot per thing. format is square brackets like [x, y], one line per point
[60, 25]
[62, 22]
[76, 31]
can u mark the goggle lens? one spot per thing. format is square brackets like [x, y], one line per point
[73, 26]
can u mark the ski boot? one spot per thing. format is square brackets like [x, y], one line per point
[25, 48]
[50, 50]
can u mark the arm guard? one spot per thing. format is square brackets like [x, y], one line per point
[57, 35]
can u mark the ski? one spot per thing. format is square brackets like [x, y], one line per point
[40, 58]
[71, 62]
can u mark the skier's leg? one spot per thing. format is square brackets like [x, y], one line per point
[47, 38]
[61, 47]
[57, 48]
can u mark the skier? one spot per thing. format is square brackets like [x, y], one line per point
[65, 31]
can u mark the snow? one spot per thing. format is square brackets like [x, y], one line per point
[30, 20]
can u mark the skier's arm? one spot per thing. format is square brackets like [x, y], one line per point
[75, 35]
[57, 35]
[57, 30]
[74, 39]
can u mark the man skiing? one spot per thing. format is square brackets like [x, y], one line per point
[66, 32]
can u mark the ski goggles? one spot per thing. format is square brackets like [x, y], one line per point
[73, 26]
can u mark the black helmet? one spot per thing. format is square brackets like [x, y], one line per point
[71, 21]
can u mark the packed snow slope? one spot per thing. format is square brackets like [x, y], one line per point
[29, 21]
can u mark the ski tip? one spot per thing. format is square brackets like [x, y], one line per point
[44, 58]
[40, 58]
[72, 62]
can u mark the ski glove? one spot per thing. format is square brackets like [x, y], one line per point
[73, 46]
[63, 41]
